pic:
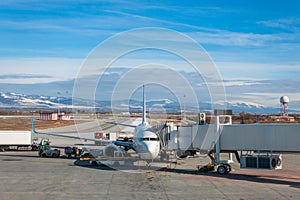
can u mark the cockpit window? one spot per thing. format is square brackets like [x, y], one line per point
[150, 139]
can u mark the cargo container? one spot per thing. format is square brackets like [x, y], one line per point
[17, 140]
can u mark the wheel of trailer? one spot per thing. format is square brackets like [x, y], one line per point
[222, 169]
[34, 148]
[94, 163]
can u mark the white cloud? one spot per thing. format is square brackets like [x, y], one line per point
[228, 38]
[215, 36]
[241, 83]
[257, 71]
[290, 24]
[53, 69]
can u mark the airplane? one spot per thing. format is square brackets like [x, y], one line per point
[145, 142]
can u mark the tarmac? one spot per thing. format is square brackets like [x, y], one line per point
[24, 175]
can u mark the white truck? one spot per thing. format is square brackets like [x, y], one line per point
[17, 140]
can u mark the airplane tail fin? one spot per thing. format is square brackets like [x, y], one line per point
[32, 126]
[144, 120]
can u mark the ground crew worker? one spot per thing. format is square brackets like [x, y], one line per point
[77, 153]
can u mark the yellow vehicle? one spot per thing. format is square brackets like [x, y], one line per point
[206, 168]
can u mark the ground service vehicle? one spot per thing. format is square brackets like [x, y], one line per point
[117, 159]
[73, 151]
[46, 151]
[54, 153]
[16, 140]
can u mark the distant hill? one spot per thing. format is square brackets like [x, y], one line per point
[36, 102]
[242, 96]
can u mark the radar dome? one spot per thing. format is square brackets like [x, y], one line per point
[284, 99]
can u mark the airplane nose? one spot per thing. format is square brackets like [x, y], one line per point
[154, 154]
[151, 151]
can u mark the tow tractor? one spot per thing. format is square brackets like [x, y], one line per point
[46, 151]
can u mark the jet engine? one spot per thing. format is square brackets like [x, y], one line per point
[111, 150]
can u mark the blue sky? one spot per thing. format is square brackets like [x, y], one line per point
[44, 41]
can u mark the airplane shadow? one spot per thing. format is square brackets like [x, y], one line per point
[129, 167]
[268, 179]
[278, 179]
[86, 164]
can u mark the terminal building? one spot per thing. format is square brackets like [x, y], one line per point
[54, 116]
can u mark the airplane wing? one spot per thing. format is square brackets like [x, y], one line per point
[129, 145]
[115, 123]
[158, 127]
[70, 136]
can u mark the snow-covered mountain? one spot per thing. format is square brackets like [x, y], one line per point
[13, 100]
[241, 97]
[23, 101]
[251, 108]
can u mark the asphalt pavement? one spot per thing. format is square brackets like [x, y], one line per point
[24, 176]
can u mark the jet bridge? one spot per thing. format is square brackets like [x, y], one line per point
[246, 137]
[226, 137]
[260, 137]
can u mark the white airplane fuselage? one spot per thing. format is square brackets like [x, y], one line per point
[146, 142]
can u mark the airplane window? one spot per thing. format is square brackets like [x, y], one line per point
[150, 139]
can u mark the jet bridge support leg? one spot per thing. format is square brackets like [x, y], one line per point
[222, 165]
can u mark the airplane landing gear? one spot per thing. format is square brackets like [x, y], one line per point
[148, 165]
[148, 172]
